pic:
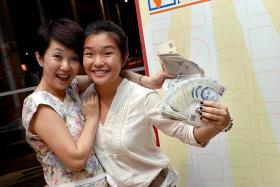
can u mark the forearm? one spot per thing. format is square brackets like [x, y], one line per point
[86, 140]
[154, 82]
[76, 158]
[134, 77]
[205, 133]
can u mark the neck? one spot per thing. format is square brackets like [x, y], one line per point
[43, 86]
[107, 92]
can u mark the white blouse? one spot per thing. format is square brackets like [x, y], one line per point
[126, 144]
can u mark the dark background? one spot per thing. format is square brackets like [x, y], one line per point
[19, 20]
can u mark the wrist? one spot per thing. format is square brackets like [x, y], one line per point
[141, 79]
[91, 119]
[201, 143]
[230, 124]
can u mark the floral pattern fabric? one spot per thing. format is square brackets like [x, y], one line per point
[70, 109]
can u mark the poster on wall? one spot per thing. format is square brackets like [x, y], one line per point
[236, 42]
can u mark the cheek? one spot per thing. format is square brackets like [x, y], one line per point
[86, 65]
[76, 68]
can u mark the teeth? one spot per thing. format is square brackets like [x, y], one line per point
[63, 77]
[99, 71]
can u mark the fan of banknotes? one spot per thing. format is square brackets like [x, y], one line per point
[182, 102]
[183, 94]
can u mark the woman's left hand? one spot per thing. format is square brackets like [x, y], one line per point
[215, 114]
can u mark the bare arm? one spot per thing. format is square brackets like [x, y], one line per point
[216, 117]
[154, 82]
[83, 81]
[53, 131]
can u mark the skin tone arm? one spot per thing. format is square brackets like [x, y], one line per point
[51, 128]
[216, 117]
[154, 82]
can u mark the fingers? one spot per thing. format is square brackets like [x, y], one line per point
[167, 75]
[91, 98]
[90, 105]
[213, 104]
[215, 114]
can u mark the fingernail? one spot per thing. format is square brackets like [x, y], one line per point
[200, 118]
[200, 113]
[201, 108]
[201, 102]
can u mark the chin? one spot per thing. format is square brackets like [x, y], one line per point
[63, 85]
[102, 81]
[99, 83]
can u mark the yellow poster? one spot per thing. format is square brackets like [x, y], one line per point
[237, 42]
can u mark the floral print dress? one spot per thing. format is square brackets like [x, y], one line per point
[70, 109]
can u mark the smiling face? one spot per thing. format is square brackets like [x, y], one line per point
[60, 66]
[102, 59]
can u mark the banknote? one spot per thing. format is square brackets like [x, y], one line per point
[169, 84]
[182, 102]
[174, 63]
[177, 65]
[166, 48]
[183, 94]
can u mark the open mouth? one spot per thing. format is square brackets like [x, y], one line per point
[63, 77]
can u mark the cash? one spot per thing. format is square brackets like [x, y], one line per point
[166, 48]
[182, 102]
[174, 63]
[183, 94]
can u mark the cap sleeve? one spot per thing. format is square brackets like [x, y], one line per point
[32, 102]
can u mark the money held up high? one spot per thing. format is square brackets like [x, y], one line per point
[183, 94]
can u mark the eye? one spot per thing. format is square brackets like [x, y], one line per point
[88, 54]
[108, 53]
[76, 58]
[57, 57]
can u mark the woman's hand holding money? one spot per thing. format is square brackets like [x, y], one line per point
[216, 118]
[215, 114]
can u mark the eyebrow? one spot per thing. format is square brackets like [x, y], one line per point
[104, 47]
[58, 49]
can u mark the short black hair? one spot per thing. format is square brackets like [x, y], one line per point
[64, 31]
[113, 30]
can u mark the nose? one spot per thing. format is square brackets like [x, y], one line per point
[98, 61]
[65, 65]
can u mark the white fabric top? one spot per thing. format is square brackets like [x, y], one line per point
[126, 145]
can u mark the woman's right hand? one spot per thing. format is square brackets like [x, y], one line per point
[90, 106]
[156, 80]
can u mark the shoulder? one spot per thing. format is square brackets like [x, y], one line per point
[138, 88]
[143, 94]
[40, 97]
[34, 100]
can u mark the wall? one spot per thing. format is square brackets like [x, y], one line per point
[237, 42]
